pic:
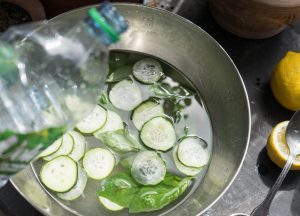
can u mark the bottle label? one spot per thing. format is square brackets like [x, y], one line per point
[17, 150]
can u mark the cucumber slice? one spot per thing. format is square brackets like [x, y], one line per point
[98, 163]
[113, 123]
[189, 171]
[79, 146]
[109, 204]
[79, 187]
[93, 121]
[52, 148]
[192, 152]
[148, 168]
[76, 104]
[147, 71]
[125, 95]
[158, 133]
[65, 148]
[59, 174]
[146, 111]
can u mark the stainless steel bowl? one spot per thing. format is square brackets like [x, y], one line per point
[202, 60]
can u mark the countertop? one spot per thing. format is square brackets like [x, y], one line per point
[255, 60]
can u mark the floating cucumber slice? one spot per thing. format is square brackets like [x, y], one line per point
[65, 148]
[148, 168]
[158, 133]
[59, 174]
[98, 163]
[109, 204]
[78, 188]
[113, 123]
[125, 95]
[79, 146]
[94, 121]
[192, 152]
[189, 171]
[52, 148]
[147, 71]
[146, 111]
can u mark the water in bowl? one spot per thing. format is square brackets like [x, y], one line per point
[193, 119]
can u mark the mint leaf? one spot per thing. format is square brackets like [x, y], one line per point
[103, 99]
[176, 98]
[164, 90]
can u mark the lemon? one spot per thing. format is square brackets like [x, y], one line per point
[277, 148]
[285, 81]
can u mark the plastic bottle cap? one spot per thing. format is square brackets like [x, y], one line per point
[96, 16]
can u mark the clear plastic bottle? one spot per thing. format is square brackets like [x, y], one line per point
[50, 77]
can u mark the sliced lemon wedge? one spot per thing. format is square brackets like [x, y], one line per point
[277, 148]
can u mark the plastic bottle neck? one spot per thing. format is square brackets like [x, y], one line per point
[106, 23]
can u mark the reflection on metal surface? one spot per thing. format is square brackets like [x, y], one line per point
[239, 214]
[170, 5]
[32, 191]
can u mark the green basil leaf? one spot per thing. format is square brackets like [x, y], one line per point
[123, 190]
[119, 74]
[117, 59]
[126, 163]
[150, 198]
[120, 141]
[105, 102]
[120, 189]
